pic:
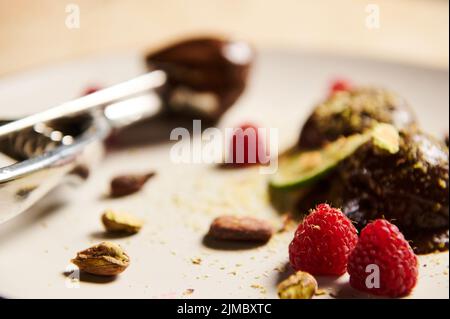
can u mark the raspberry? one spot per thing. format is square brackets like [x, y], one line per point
[383, 245]
[323, 242]
[340, 85]
[91, 89]
[248, 146]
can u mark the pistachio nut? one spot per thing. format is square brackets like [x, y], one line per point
[104, 259]
[300, 285]
[121, 222]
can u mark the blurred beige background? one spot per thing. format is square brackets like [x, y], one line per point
[33, 32]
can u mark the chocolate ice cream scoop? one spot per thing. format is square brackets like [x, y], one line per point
[348, 112]
[409, 187]
[205, 75]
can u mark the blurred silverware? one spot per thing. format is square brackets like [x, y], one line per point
[48, 145]
[199, 77]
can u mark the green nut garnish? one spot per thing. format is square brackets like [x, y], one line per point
[300, 285]
[121, 222]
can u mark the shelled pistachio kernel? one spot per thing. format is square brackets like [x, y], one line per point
[104, 259]
[300, 285]
[121, 222]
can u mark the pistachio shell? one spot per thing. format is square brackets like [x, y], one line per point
[104, 259]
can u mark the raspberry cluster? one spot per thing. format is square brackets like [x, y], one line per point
[380, 261]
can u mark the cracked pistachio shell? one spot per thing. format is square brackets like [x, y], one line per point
[104, 259]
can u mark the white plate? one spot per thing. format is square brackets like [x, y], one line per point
[180, 202]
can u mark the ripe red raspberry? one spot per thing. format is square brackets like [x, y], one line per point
[340, 85]
[247, 146]
[383, 245]
[323, 242]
